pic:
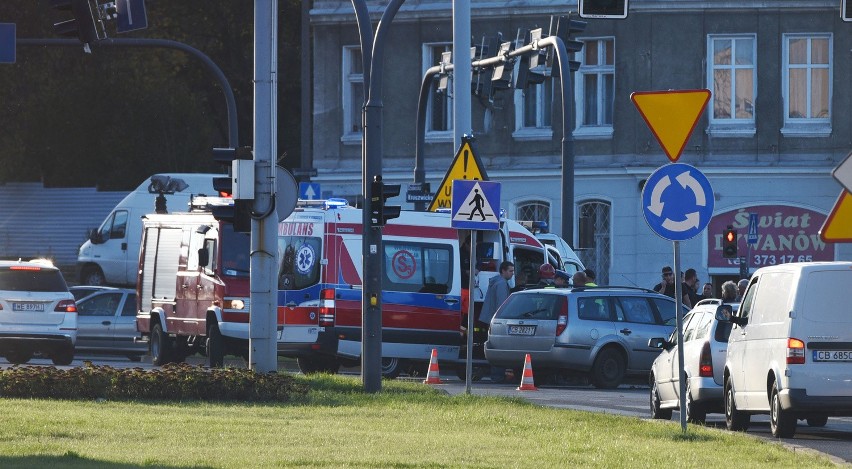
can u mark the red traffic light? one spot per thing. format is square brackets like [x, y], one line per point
[730, 236]
[729, 243]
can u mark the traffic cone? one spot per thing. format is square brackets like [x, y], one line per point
[527, 383]
[433, 376]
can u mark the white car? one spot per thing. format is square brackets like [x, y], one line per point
[38, 314]
[705, 341]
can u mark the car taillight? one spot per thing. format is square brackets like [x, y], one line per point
[562, 320]
[66, 306]
[795, 352]
[326, 307]
[705, 362]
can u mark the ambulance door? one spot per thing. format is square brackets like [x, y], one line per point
[301, 258]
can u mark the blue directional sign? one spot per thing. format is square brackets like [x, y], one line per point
[7, 43]
[131, 15]
[309, 191]
[677, 201]
[752, 229]
[475, 205]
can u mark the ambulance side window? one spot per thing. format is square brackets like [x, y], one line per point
[418, 267]
[300, 262]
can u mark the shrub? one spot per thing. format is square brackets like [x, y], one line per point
[173, 382]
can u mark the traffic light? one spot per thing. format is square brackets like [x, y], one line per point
[729, 243]
[379, 193]
[565, 28]
[846, 10]
[239, 186]
[611, 9]
[86, 23]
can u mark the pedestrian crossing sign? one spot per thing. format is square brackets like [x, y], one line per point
[475, 205]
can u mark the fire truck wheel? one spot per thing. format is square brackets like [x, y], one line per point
[161, 346]
[215, 346]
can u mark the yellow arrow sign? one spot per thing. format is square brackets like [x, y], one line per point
[465, 165]
[838, 226]
[671, 115]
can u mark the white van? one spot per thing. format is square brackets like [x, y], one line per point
[111, 255]
[790, 349]
[567, 258]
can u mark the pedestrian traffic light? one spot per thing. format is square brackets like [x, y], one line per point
[86, 23]
[238, 186]
[846, 10]
[379, 193]
[729, 243]
[611, 9]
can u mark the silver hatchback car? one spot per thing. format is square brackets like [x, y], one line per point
[107, 322]
[603, 331]
[705, 342]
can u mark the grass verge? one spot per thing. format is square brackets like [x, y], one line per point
[337, 425]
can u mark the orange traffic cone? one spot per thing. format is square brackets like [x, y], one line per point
[433, 376]
[527, 383]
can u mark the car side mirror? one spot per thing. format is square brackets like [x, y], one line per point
[657, 342]
[725, 313]
[95, 236]
[203, 257]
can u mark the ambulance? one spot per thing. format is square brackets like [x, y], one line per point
[424, 283]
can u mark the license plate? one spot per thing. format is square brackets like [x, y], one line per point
[521, 330]
[25, 307]
[832, 355]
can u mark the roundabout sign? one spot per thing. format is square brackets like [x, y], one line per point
[677, 201]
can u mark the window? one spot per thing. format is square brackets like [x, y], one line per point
[129, 308]
[533, 210]
[114, 227]
[635, 309]
[594, 238]
[593, 309]
[806, 85]
[353, 94]
[439, 110]
[533, 109]
[594, 91]
[417, 267]
[300, 261]
[732, 70]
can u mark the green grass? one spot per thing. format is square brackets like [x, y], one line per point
[336, 425]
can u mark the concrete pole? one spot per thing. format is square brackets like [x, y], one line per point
[461, 72]
[263, 344]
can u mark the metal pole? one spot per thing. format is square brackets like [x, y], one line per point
[470, 323]
[230, 102]
[306, 159]
[420, 125]
[461, 71]
[263, 321]
[679, 317]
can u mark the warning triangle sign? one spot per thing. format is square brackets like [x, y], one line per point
[671, 115]
[838, 225]
[465, 165]
[476, 207]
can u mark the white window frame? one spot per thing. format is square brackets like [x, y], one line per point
[349, 80]
[598, 131]
[807, 126]
[542, 129]
[434, 136]
[731, 127]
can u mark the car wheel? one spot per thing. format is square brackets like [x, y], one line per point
[392, 367]
[657, 413]
[817, 420]
[63, 357]
[608, 370]
[735, 420]
[695, 412]
[161, 346]
[781, 422]
[215, 346]
[93, 276]
[19, 357]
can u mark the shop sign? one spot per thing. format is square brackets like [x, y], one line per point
[785, 234]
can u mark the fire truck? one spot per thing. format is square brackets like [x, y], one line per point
[193, 286]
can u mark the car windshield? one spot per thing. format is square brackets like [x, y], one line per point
[531, 306]
[32, 279]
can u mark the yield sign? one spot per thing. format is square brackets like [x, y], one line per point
[838, 225]
[465, 165]
[671, 115]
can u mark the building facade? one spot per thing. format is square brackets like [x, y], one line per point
[774, 128]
